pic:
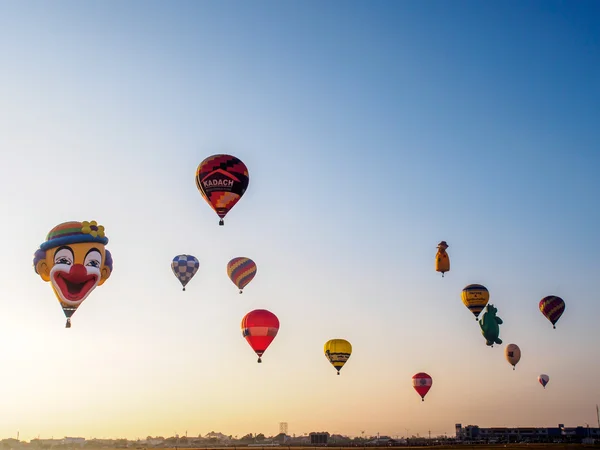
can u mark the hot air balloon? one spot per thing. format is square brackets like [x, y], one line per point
[512, 353]
[241, 271]
[260, 327]
[422, 383]
[442, 261]
[185, 267]
[552, 307]
[543, 379]
[74, 260]
[475, 297]
[222, 180]
[338, 351]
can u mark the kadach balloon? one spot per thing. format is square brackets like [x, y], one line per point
[241, 271]
[222, 180]
[442, 260]
[74, 260]
[184, 267]
[259, 328]
[337, 352]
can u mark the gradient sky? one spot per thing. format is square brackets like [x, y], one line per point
[372, 130]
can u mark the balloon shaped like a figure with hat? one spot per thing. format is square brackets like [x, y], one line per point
[74, 260]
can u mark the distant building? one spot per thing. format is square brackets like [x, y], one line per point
[74, 441]
[319, 438]
[527, 434]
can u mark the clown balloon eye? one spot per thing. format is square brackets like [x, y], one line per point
[93, 259]
[64, 255]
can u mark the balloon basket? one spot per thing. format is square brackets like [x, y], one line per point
[221, 222]
[68, 324]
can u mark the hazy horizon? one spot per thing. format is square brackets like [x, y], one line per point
[371, 132]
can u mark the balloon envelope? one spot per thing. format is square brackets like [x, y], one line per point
[442, 260]
[184, 267]
[241, 271]
[475, 297]
[260, 327]
[552, 307]
[222, 180]
[543, 379]
[422, 383]
[337, 352]
[512, 352]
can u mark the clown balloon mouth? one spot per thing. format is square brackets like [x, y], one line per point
[72, 290]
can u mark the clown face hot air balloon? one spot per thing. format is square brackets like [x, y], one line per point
[337, 352]
[241, 271]
[543, 379]
[222, 180]
[260, 327]
[75, 261]
[422, 383]
[442, 261]
[185, 267]
[475, 297]
[512, 353]
[552, 307]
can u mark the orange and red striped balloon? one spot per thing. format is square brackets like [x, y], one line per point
[241, 271]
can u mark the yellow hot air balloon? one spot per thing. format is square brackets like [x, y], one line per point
[475, 297]
[512, 352]
[442, 260]
[337, 352]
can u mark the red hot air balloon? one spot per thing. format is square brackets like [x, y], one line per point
[222, 180]
[260, 327]
[422, 383]
[552, 307]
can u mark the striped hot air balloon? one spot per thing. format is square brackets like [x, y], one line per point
[241, 271]
[475, 297]
[422, 383]
[552, 307]
[260, 327]
[337, 352]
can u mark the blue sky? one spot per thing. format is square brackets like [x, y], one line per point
[371, 130]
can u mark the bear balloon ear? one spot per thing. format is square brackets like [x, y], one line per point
[42, 269]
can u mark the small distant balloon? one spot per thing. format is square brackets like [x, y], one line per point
[552, 307]
[241, 271]
[475, 297]
[184, 267]
[442, 260]
[337, 352]
[543, 379]
[422, 383]
[512, 352]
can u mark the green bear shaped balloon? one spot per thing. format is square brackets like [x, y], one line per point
[490, 326]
